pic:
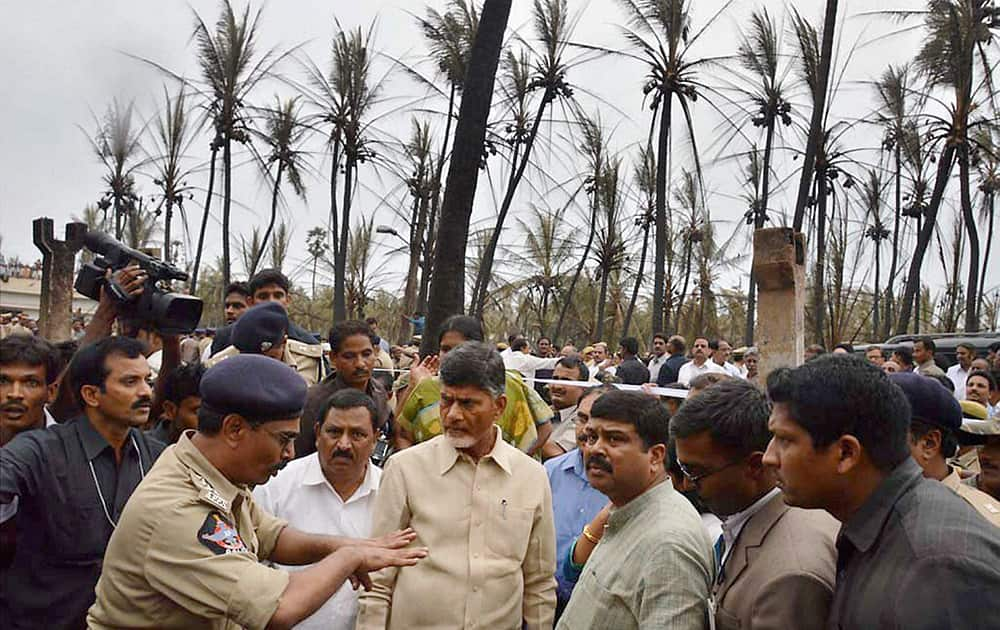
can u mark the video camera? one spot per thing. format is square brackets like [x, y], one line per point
[163, 311]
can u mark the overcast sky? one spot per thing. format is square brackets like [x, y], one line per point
[65, 61]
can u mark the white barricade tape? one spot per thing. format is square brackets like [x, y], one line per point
[668, 392]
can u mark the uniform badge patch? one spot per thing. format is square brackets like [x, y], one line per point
[220, 536]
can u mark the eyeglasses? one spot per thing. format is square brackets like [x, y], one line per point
[694, 479]
[282, 438]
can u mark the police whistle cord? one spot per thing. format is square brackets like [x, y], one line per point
[668, 392]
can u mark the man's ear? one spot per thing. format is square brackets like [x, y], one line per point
[88, 394]
[849, 453]
[756, 465]
[500, 404]
[52, 392]
[169, 409]
[657, 455]
[234, 429]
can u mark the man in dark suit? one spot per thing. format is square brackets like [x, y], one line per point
[775, 564]
[676, 347]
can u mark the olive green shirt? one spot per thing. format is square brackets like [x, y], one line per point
[187, 550]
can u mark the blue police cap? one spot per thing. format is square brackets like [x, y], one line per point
[254, 386]
[929, 400]
[261, 328]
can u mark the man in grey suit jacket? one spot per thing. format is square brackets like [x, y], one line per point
[775, 564]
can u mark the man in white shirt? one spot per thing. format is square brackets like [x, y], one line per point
[720, 356]
[565, 399]
[699, 363]
[521, 360]
[660, 356]
[965, 353]
[332, 491]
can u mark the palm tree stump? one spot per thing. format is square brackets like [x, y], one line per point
[779, 266]
[58, 263]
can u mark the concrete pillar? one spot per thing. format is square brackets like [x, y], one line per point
[58, 265]
[779, 264]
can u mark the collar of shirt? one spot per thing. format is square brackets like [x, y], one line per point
[733, 524]
[864, 527]
[49, 418]
[448, 455]
[621, 516]
[190, 456]
[313, 476]
[92, 441]
[574, 461]
[569, 413]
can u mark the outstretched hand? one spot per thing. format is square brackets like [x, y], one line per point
[377, 558]
[396, 540]
[427, 368]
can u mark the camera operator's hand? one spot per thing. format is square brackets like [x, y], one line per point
[130, 279]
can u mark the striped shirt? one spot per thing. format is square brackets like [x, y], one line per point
[652, 569]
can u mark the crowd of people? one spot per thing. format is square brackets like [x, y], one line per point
[260, 477]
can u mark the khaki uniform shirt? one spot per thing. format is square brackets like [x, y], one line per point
[307, 359]
[984, 503]
[187, 551]
[489, 530]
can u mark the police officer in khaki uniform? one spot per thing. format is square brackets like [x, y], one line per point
[263, 329]
[936, 430]
[188, 550]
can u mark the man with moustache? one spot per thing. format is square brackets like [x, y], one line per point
[651, 565]
[188, 551]
[481, 506]
[28, 370]
[910, 552]
[574, 502]
[775, 564]
[352, 355]
[699, 363]
[564, 400]
[72, 482]
[332, 491]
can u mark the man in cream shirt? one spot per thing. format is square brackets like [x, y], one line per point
[331, 491]
[482, 507]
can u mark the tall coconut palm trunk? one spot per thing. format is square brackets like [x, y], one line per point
[989, 200]
[486, 267]
[890, 305]
[819, 275]
[660, 215]
[274, 216]
[924, 236]
[340, 260]
[204, 216]
[972, 293]
[227, 199]
[447, 289]
[758, 223]
[638, 278]
[568, 299]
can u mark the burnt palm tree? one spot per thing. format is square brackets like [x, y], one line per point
[820, 56]
[543, 73]
[660, 32]
[343, 99]
[174, 132]
[283, 134]
[609, 254]
[421, 187]
[594, 147]
[956, 29]
[644, 177]
[448, 287]
[230, 69]
[987, 161]
[871, 192]
[543, 258]
[117, 144]
[898, 106]
[449, 38]
[760, 55]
